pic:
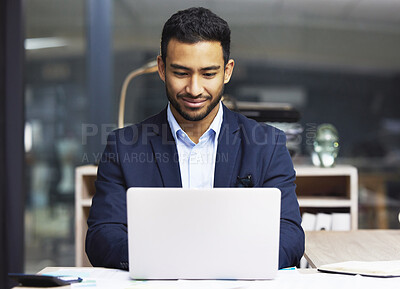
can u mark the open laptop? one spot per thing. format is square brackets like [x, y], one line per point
[220, 233]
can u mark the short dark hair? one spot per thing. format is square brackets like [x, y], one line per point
[194, 25]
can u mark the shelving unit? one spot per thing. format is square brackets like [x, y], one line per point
[85, 177]
[328, 190]
[318, 190]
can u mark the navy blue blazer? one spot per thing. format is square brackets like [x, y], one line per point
[145, 155]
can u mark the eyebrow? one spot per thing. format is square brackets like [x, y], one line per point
[212, 67]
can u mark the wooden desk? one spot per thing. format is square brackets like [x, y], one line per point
[325, 247]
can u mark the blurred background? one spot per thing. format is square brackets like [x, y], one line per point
[333, 62]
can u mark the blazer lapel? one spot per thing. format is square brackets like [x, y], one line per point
[166, 155]
[227, 152]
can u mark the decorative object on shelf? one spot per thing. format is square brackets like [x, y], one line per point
[149, 67]
[293, 131]
[326, 146]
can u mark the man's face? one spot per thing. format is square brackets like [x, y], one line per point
[194, 76]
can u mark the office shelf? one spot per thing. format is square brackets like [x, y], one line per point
[84, 191]
[328, 190]
[324, 203]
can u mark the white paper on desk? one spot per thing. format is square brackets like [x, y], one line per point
[334, 281]
[318, 280]
[368, 268]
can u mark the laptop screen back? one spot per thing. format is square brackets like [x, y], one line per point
[220, 233]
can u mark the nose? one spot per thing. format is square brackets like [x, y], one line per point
[194, 86]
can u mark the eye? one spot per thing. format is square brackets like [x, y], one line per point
[180, 73]
[211, 74]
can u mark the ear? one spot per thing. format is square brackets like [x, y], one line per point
[161, 68]
[228, 70]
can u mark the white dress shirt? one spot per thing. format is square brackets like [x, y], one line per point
[196, 161]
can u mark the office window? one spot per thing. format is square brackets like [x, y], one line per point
[56, 105]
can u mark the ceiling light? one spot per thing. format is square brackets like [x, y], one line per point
[48, 42]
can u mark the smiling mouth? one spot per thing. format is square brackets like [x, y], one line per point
[194, 102]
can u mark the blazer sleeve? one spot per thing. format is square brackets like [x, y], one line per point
[106, 239]
[281, 174]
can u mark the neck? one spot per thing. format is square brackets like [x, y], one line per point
[195, 129]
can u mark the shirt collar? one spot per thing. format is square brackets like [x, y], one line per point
[215, 125]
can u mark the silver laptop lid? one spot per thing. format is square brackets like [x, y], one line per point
[220, 233]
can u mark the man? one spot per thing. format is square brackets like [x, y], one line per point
[195, 142]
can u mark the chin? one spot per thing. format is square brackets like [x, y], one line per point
[194, 117]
